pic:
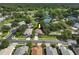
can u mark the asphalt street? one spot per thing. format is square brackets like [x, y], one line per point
[37, 41]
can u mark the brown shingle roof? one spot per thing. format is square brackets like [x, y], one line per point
[37, 50]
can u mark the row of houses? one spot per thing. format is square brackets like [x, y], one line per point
[39, 50]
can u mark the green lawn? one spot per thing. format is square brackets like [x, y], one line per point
[6, 22]
[47, 38]
[21, 38]
[3, 35]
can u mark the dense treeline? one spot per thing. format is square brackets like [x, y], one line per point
[40, 4]
[28, 6]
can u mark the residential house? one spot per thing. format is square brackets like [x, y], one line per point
[72, 18]
[76, 50]
[65, 51]
[70, 52]
[37, 50]
[73, 28]
[21, 50]
[76, 25]
[51, 51]
[30, 25]
[28, 32]
[70, 42]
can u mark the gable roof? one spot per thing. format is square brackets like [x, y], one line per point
[21, 50]
[76, 25]
[51, 51]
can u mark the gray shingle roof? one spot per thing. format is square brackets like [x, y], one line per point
[76, 50]
[28, 32]
[70, 52]
[64, 51]
[71, 41]
[51, 51]
[76, 25]
[21, 50]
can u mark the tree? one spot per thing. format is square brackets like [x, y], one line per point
[20, 30]
[53, 45]
[58, 26]
[69, 22]
[4, 44]
[28, 19]
[5, 28]
[43, 45]
[56, 13]
[67, 34]
[30, 44]
[46, 29]
[14, 24]
[77, 41]
[39, 15]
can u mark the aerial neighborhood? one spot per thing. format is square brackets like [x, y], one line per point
[39, 29]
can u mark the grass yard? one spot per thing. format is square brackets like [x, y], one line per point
[3, 35]
[6, 22]
[21, 38]
[47, 38]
